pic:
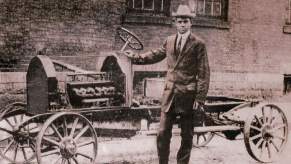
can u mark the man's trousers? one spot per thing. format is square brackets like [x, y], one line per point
[165, 132]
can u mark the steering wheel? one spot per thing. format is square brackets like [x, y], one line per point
[129, 38]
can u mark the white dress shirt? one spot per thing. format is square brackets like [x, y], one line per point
[184, 39]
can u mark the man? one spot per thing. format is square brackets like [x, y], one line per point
[186, 85]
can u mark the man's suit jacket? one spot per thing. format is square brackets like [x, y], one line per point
[188, 72]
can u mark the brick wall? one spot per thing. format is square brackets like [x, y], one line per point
[71, 30]
[78, 31]
[247, 58]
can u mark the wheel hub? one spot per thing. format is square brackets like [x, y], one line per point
[68, 147]
[266, 133]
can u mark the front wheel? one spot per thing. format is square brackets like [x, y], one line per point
[67, 138]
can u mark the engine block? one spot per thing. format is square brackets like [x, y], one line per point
[94, 90]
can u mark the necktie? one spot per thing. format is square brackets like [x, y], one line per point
[178, 49]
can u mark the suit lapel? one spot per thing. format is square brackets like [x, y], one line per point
[187, 46]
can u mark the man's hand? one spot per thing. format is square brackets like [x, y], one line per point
[198, 106]
[129, 53]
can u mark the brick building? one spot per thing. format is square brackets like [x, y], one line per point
[248, 41]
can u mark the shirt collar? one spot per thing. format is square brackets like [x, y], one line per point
[185, 35]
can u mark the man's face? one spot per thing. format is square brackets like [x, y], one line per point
[183, 25]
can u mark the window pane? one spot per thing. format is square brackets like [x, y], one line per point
[137, 4]
[148, 4]
[130, 3]
[217, 9]
[200, 7]
[208, 8]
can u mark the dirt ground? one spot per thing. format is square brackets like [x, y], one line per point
[142, 150]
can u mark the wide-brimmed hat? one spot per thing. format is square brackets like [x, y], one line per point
[183, 11]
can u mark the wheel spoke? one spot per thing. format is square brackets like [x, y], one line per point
[256, 128]
[9, 123]
[204, 137]
[278, 127]
[55, 143]
[75, 160]
[269, 150]
[58, 158]
[275, 146]
[15, 152]
[85, 143]
[264, 115]
[15, 120]
[255, 137]
[56, 131]
[84, 155]
[21, 117]
[10, 137]
[8, 146]
[63, 160]
[24, 153]
[259, 142]
[280, 137]
[198, 136]
[262, 148]
[51, 152]
[81, 133]
[258, 120]
[74, 127]
[65, 127]
[270, 115]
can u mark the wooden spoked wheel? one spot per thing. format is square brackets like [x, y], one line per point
[16, 145]
[201, 139]
[67, 138]
[266, 132]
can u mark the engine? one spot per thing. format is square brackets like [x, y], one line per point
[54, 85]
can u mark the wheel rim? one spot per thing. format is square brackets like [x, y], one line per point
[266, 133]
[15, 147]
[67, 138]
[127, 36]
[202, 139]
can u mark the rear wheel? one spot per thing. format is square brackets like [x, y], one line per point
[266, 133]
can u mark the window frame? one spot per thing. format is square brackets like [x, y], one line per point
[146, 17]
[159, 8]
[223, 10]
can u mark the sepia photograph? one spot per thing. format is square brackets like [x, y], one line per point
[145, 81]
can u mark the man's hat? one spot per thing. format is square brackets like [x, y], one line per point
[183, 11]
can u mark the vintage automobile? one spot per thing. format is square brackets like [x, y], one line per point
[56, 124]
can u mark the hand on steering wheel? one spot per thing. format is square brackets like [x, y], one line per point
[128, 53]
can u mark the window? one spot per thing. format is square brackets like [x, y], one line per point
[288, 21]
[287, 26]
[216, 9]
[149, 7]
